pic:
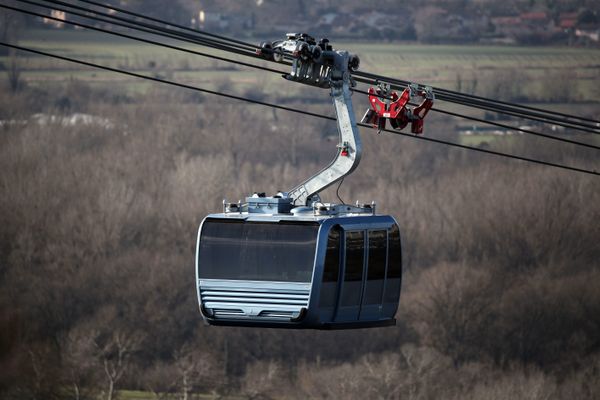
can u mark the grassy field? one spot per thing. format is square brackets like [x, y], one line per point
[141, 395]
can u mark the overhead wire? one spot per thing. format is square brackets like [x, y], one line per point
[295, 110]
[141, 26]
[359, 73]
[451, 96]
[264, 68]
[528, 131]
[279, 72]
[183, 27]
[249, 51]
[444, 94]
[144, 40]
[251, 47]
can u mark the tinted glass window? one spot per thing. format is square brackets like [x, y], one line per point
[257, 251]
[376, 271]
[394, 273]
[395, 267]
[332, 258]
[377, 254]
[355, 247]
[331, 269]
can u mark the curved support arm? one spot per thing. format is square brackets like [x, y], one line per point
[349, 149]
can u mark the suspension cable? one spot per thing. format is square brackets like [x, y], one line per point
[143, 27]
[217, 93]
[359, 73]
[138, 15]
[280, 72]
[123, 35]
[247, 49]
[456, 97]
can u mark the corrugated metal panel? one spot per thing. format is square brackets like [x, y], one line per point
[254, 300]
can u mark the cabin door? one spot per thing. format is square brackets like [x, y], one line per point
[352, 276]
[374, 274]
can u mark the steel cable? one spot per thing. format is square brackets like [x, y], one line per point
[444, 94]
[295, 110]
[123, 35]
[186, 28]
[359, 73]
[143, 27]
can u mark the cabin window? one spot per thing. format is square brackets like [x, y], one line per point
[355, 249]
[331, 269]
[376, 272]
[394, 271]
[257, 251]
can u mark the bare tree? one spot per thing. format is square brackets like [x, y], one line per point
[430, 24]
[161, 380]
[115, 354]
[262, 380]
[386, 373]
[191, 366]
[77, 355]
[454, 311]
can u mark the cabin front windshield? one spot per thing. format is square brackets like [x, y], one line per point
[257, 251]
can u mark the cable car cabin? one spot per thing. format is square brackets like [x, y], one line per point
[325, 266]
[311, 268]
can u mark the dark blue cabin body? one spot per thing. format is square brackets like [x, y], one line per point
[309, 271]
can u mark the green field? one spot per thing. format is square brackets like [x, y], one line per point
[140, 395]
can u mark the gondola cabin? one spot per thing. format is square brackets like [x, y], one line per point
[325, 267]
[292, 261]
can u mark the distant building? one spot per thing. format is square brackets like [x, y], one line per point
[61, 15]
[530, 27]
[540, 19]
[567, 20]
[507, 26]
[220, 21]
